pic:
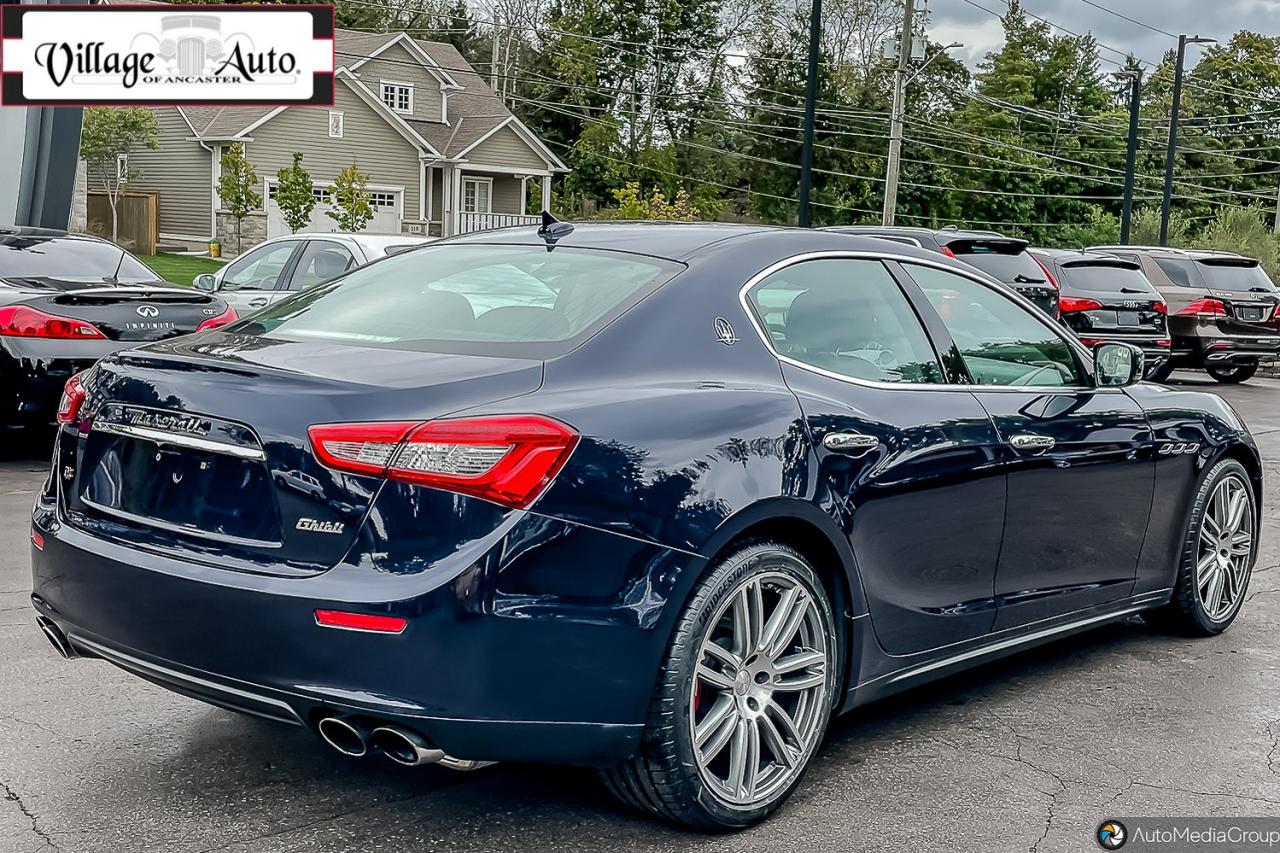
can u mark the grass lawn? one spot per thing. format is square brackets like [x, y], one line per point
[179, 269]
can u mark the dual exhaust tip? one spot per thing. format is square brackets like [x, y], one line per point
[402, 746]
[57, 638]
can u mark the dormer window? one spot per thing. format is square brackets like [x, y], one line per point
[398, 96]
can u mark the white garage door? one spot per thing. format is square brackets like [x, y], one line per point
[387, 202]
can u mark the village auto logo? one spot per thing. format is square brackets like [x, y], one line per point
[166, 55]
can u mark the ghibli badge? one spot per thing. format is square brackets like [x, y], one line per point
[312, 525]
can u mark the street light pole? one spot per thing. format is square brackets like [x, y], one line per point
[810, 107]
[1131, 156]
[1166, 206]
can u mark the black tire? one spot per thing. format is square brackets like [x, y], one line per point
[1160, 373]
[1185, 614]
[1233, 375]
[664, 778]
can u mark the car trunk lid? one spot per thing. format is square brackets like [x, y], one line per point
[129, 313]
[1126, 303]
[1006, 259]
[200, 446]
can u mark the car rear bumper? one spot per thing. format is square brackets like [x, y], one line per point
[481, 672]
[1226, 349]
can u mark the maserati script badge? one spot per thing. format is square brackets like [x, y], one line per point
[311, 525]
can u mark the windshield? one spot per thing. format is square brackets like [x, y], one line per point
[1106, 278]
[480, 299]
[1233, 275]
[70, 257]
[1012, 265]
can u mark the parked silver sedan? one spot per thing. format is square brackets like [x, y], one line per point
[272, 270]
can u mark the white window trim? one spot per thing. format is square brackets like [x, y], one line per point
[342, 124]
[382, 93]
[474, 179]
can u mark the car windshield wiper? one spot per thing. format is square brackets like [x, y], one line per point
[1022, 279]
[1131, 290]
[1261, 290]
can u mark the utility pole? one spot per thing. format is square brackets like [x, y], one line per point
[1166, 206]
[810, 107]
[1131, 156]
[493, 66]
[895, 119]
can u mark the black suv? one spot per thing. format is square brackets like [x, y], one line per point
[1004, 258]
[1103, 297]
[1222, 308]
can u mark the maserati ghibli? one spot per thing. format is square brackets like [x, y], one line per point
[655, 498]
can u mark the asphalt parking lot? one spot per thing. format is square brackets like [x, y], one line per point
[1026, 754]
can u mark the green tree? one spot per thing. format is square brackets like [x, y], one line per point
[108, 136]
[1146, 228]
[350, 206]
[236, 186]
[1245, 232]
[632, 205]
[294, 195]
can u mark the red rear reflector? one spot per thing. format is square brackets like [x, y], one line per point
[37, 539]
[1091, 342]
[73, 396]
[1067, 304]
[946, 250]
[1164, 343]
[507, 459]
[361, 621]
[23, 321]
[1204, 308]
[228, 316]
[1160, 308]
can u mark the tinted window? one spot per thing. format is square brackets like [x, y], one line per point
[1001, 342]
[846, 316]
[320, 261]
[1006, 263]
[1229, 275]
[1180, 271]
[481, 299]
[69, 258]
[260, 269]
[1105, 278]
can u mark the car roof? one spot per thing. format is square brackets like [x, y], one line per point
[949, 231]
[1067, 255]
[24, 234]
[1194, 254]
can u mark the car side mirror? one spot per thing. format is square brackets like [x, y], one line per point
[1116, 364]
[206, 282]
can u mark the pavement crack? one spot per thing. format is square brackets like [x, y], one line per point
[13, 796]
[1273, 755]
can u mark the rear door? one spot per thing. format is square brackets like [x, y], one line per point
[251, 281]
[1079, 459]
[907, 459]
[1007, 260]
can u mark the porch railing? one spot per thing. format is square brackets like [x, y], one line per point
[468, 222]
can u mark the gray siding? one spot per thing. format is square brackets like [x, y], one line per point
[368, 140]
[398, 65]
[505, 148]
[437, 193]
[506, 194]
[181, 171]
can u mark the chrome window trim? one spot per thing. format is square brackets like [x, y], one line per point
[862, 255]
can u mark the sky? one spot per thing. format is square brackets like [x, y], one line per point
[979, 31]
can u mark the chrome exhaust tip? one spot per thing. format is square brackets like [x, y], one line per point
[345, 736]
[56, 637]
[405, 747]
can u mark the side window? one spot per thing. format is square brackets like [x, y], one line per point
[1001, 342]
[320, 261]
[847, 316]
[259, 269]
[1180, 272]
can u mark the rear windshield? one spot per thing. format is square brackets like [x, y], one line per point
[72, 258]
[1106, 278]
[1228, 275]
[478, 299]
[1008, 263]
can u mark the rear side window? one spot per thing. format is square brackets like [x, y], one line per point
[1006, 262]
[1105, 278]
[1233, 275]
[846, 316]
[1180, 271]
[482, 299]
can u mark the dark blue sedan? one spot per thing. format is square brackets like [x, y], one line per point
[654, 498]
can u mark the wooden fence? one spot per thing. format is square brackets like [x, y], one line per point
[138, 224]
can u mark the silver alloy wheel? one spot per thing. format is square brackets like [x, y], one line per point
[1225, 547]
[760, 688]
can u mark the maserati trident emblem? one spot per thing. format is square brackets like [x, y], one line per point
[148, 311]
[725, 333]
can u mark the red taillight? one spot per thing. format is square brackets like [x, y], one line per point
[37, 539]
[946, 250]
[1067, 304]
[1047, 274]
[23, 321]
[73, 395]
[1164, 342]
[228, 316]
[361, 621]
[1204, 308]
[1160, 307]
[508, 459]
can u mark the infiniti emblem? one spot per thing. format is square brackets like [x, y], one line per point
[148, 311]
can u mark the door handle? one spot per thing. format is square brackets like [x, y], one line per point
[1031, 441]
[258, 302]
[852, 443]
